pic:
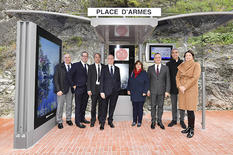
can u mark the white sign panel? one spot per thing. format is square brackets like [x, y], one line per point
[124, 11]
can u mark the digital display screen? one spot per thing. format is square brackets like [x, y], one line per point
[48, 56]
[165, 51]
[124, 72]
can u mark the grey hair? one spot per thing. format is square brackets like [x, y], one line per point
[175, 49]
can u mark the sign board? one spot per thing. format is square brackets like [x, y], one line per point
[124, 11]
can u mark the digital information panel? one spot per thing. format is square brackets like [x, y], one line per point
[48, 56]
[163, 49]
[37, 53]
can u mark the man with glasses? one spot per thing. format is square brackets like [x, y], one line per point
[78, 79]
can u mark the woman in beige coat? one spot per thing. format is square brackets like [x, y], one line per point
[187, 83]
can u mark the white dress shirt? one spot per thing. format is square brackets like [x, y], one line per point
[67, 66]
[84, 65]
[113, 68]
[96, 66]
[156, 67]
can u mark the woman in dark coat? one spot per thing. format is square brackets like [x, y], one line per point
[138, 86]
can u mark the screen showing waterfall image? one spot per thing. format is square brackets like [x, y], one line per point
[48, 58]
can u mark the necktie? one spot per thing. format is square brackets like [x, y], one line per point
[85, 67]
[157, 70]
[111, 71]
[98, 74]
[68, 67]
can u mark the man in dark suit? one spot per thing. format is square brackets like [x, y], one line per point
[110, 85]
[172, 65]
[159, 88]
[78, 79]
[93, 87]
[63, 90]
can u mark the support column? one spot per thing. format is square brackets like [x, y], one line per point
[102, 54]
[203, 95]
[140, 51]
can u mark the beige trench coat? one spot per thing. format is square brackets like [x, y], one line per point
[187, 76]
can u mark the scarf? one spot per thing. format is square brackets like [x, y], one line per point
[137, 72]
[186, 68]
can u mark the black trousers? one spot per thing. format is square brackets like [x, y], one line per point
[191, 119]
[137, 112]
[109, 105]
[80, 106]
[96, 98]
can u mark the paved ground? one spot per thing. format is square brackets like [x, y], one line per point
[124, 139]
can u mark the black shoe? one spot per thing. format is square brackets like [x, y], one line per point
[172, 123]
[111, 125]
[70, 123]
[139, 124]
[80, 125]
[85, 121]
[182, 124]
[152, 125]
[186, 130]
[60, 125]
[161, 125]
[133, 124]
[190, 133]
[101, 126]
[92, 124]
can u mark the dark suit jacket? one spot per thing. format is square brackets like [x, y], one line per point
[137, 86]
[78, 77]
[172, 65]
[92, 78]
[161, 83]
[110, 84]
[60, 79]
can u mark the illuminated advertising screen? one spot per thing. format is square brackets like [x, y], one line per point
[164, 50]
[48, 56]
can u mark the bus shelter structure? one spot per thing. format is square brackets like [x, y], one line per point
[184, 25]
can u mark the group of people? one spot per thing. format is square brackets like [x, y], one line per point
[176, 79]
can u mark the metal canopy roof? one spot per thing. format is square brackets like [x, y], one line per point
[193, 24]
[124, 30]
[139, 29]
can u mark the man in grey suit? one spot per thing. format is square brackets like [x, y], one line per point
[159, 88]
[63, 90]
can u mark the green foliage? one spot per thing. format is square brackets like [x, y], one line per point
[77, 41]
[189, 6]
[221, 36]
[133, 3]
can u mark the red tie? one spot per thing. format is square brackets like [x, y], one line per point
[157, 70]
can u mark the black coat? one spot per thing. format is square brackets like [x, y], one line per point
[92, 78]
[137, 86]
[110, 84]
[78, 77]
[60, 79]
[172, 65]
